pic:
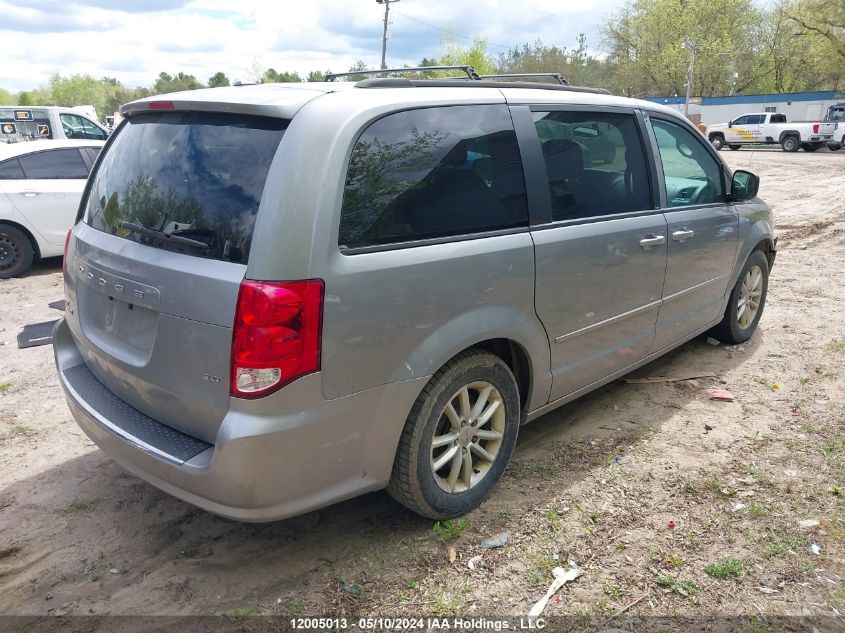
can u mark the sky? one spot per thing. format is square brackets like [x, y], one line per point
[134, 40]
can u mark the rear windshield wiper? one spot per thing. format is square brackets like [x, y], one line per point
[176, 239]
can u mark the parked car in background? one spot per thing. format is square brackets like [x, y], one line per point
[283, 296]
[770, 128]
[40, 186]
[836, 114]
[21, 123]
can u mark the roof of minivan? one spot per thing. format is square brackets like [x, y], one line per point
[11, 150]
[285, 99]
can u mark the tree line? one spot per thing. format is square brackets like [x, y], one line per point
[645, 49]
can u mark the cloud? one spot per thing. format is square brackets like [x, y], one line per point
[134, 40]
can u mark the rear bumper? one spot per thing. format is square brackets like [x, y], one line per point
[273, 458]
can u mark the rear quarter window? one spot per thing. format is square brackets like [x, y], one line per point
[188, 182]
[433, 172]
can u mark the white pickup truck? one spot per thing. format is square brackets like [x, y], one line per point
[770, 128]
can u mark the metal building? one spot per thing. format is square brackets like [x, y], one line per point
[797, 106]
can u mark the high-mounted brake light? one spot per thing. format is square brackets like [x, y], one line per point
[276, 337]
[64, 253]
[160, 105]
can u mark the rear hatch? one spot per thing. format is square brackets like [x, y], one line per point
[154, 267]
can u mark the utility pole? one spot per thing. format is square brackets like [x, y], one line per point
[692, 46]
[386, 4]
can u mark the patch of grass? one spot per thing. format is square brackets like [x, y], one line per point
[295, 607]
[783, 545]
[837, 491]
[450, 529]
[675, 560]
[804, 380]
[443, 605]
[4, 386]
[835, 346]
[685, 588]
[551, 515]
[761, 477]
[19, 430]
[236, 615]
[725, 568]
[611, 590]
[715, 486]
[541, 566]
[94, 575]
[769, 385]
[758, 511]
[77, 505]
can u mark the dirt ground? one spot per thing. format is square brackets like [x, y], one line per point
[670, 503]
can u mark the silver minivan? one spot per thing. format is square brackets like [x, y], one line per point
[282, 296]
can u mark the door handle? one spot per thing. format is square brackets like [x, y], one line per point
[29, 194]
[651, 240]
[682, 236]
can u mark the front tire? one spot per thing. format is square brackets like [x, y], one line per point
[458, 438]
[746, 303]
[16, 252]
[734, 147]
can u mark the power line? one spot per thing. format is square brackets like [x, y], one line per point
[448, 30]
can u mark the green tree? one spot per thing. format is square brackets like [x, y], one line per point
[357, 66]
[176, 83]
[271, 76]
[475, 55]
[649, 44]
[218, 80]
[78, 90]
[824, 18]
[316, 75]
[6, 98]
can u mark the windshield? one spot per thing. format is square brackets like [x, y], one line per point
[188, 182]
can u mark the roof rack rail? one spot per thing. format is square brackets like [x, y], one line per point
[556, 76]
[449, 82]
[469, 70]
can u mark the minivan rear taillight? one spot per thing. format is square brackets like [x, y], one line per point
[276, 336]
[64, 254]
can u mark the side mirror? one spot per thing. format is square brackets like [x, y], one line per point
[744, 185]
[730, 123]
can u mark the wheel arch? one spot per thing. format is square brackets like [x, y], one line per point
[513, 335]
[786, 133]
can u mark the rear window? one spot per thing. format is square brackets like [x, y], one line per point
[185, 181]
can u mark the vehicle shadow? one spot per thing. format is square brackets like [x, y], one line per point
[45, 266]
[85, 535]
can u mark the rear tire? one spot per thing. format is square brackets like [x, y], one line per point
[749, 292]
[16, 252]
[718, 141]
[449, 457]
[790, 144]
[734, 147]
[834, 147]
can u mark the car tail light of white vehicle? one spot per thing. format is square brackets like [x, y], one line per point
[815, 128]
[276, 337]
